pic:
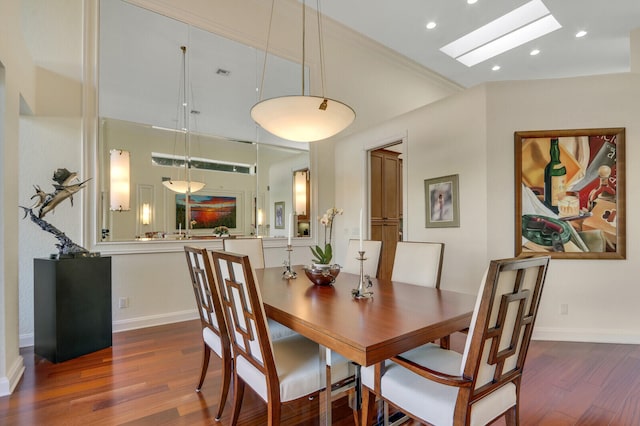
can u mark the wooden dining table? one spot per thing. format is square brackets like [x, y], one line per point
[398, 317]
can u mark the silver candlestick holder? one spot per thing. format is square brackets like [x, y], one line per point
[364, 282]
[288, 274]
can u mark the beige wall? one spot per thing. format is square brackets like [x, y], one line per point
[17, 85]
[471, 134]
[600, 293]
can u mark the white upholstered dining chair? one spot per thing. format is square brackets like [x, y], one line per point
[372, 250]
[252, 247]
[418, 263]
[214, 328]
[279, 371]
[443, 387]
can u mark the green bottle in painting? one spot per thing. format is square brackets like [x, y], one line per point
[555, 174]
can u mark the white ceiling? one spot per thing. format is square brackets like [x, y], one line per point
[140, 56]
[400, 25]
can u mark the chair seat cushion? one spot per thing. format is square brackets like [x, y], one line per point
[431, 401]
[212, 340]
[278, 331]
[299, 368]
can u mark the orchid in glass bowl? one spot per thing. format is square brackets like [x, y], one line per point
[323, 255]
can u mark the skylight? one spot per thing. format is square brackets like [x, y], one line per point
[521, 25]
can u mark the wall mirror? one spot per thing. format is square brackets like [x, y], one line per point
[145, 80]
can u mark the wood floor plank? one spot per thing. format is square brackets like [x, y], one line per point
[149, 376]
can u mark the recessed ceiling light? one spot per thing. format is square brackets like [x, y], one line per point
[534, 52]
[431, 25]
[581, 33]
[495, 68]
[521, 25]
[472, 1]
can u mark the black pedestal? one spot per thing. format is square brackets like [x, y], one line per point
[72, 306]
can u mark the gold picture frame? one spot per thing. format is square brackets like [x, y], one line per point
[570, 193]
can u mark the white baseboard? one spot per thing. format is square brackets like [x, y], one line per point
[8, 383]
[153, 320]
[133, 323]
[539, 333]
[26, 340]
[586, 335]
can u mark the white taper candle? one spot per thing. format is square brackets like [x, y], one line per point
[361, 227]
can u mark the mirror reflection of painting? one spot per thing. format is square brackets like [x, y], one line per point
[207, 211]
[279, 214]
[441, 195]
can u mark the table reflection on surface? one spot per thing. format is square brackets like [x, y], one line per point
[397, 318]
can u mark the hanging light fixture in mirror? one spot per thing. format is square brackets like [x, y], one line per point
[302, 118]
[186, 186]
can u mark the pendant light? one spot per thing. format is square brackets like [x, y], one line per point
[302, 118]
[186, 186]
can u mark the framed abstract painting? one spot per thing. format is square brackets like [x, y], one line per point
[570, 193]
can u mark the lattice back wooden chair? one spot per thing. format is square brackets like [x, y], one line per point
[280, 370]
[215, 336]
[254, 248]
[442, 387]
[419, 263]
[372, 249]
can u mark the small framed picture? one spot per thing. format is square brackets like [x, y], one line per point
[442, 202]
[278, 215]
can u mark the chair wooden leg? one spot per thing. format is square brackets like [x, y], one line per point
[512, 416]
[368, 406]
[273, 412]
[224, 387]
[238, 393]
[445, 342]
[206, 355]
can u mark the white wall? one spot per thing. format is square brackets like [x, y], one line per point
[471, 134]
[54, 139]
[600, 293]
[444, 138]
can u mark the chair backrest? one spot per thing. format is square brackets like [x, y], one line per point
[247, 323]
[207, 297]
[502, 323]
[418, 263]
[372, 250]
[252, 247]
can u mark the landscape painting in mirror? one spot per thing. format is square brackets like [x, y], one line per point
[207, 211]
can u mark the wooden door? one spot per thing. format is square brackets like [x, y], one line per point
[386, 205]
[389, 233]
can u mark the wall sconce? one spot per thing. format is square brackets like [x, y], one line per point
[260, 217]
[300, 191]
[119, 182]
[146, 214]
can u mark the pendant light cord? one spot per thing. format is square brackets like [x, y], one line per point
[320, 47]
[304, 25]
[304, 50]
[266, 51]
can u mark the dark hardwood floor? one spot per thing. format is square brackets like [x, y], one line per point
[149, 375]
